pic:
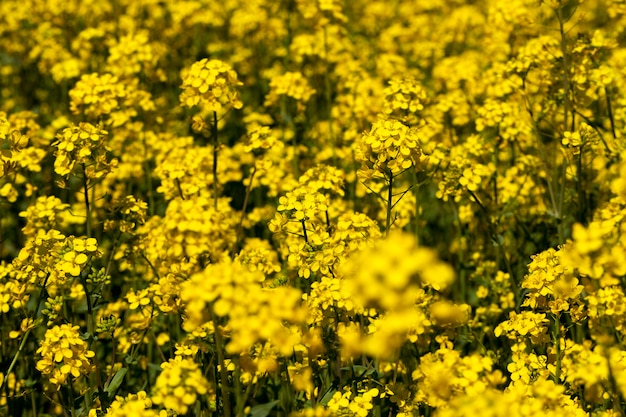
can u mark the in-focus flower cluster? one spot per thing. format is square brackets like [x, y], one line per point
[64, 354]
[211, 84]
[388, 149]
[84, 146]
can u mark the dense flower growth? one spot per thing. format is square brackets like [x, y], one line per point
[313, 208]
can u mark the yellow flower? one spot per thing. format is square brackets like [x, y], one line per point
[404, 99]
[137, 299]
[83, 145]
[63, 354]
[388, 149]
[292, 85]
[393, 274]
[356, 404]
[138, 405]
[212, 84]
[179, 384]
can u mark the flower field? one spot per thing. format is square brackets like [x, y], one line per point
[313, 208]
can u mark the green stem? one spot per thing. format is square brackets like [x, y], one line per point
[239, 404]
[561, 224]
[615, 395]
[557, 347]
[90, 311]
[148, 174]
[215, 148]
[116, 241]
[389, 204]
[580, 190]
[91, 330]
[286, 119]
[296, 154]
[566, 109]
[500, 250]
[417, 207]
[244, 400]
[1, 241]
[219, 342]
[537, 136]
[63, 406]
[113, 353]
[178, 187]
[610, 111]
[25, 337]
[461, 255]
[306, 237]
[243, 209]
[87, 205]
[151, 265]
[33, 403]
[72, 400]
[158, 348]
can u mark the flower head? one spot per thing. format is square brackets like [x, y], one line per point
[388, 149]
[64, 353]
[212, 84]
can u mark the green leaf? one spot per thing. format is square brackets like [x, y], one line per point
[116, 382]
[155, 367]
[361, 370]
[262, 410]
[328, 395]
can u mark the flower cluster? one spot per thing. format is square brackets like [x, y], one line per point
[260, 141]
[230, 289]
[551, 285]
[258, 255]
[45, 213]
[76, 254]
[404, 100]
[291, 85]
[322, 12]
[64, 354]
[525, 325]
[179, 384]
[348, 404]
[419, 210]
[391, 278]
[394, 273]
[133, 53]
[303, 203]
[212, 84]
[543, 396]
[186, 169]
[444, 374]
[388, 149]
[83, 145]
[108, 99]
[133, 404]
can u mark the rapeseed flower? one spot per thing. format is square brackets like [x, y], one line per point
[64, 355]
[212, 84]
[179, 384]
